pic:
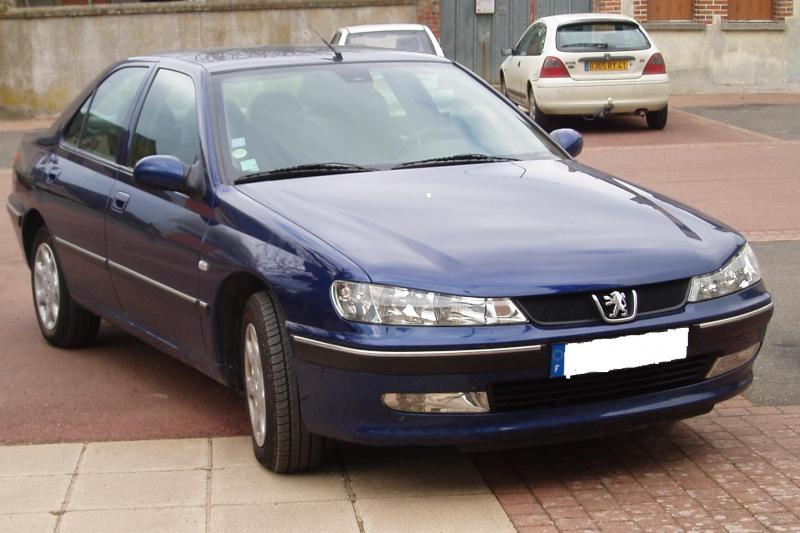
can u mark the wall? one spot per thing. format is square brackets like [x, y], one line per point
[48, 55]
[711, 54]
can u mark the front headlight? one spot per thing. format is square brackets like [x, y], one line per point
[380, 304]
[739, 273]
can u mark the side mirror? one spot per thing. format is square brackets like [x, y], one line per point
[568, 139]
[507, 51]
[162, 172]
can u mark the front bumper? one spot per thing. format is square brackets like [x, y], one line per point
[571, 97]
[341, 387]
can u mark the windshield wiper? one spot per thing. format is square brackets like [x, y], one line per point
[457, 159]
[303, 171]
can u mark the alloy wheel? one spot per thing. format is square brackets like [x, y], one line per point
[254, 384]
[46, 286]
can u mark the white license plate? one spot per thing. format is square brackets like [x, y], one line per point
[603, 355]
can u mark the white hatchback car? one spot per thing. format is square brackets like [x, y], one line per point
[588, 64]
[409, 37]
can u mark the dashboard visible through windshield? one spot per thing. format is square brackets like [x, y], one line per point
[367, 115]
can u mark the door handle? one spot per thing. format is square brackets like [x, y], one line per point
[119, 202]
[52, 172]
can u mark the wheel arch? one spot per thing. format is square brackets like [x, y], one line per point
[226, 313]
[31, 224]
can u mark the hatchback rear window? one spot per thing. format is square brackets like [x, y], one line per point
[410, 41]
[606, 36]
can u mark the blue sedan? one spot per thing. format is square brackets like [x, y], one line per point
[377, 247]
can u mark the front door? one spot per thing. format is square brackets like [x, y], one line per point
[154, 236]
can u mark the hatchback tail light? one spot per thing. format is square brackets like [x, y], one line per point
[656, 65]
[553, 68]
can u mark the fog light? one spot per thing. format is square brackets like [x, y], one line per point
[734, 360]
[437, 402]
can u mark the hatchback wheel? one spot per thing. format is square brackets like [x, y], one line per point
[657, 120]
[63, 323]
[503, 88]
[280, 441]
[535, 113]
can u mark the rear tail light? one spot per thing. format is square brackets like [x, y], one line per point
[656, 65]
[553, 68]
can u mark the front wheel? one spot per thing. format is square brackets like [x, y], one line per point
[657, 120]
[63, 322]
[280, 441]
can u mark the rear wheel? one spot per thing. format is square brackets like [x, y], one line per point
[535, 113]
[503, 87]
[657, 120]
[63, 323]
[280, 441]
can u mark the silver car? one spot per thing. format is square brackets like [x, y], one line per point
[408, 37]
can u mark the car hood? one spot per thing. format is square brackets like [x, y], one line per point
[502, 229]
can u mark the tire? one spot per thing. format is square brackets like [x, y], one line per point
[536, 114]
[657, 120]
[63, 322]
[280, 441]
[503, 87]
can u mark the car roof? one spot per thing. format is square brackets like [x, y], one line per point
[367, 28]
[227, 59]
[558, 20]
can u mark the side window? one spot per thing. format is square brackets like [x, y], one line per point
[112, 101]
[525, 41]
[336, 37]
[167, 124]
[72, 134]
[537, 42]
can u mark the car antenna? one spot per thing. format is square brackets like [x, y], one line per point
[337, 55]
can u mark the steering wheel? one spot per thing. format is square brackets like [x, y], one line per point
[418, 139]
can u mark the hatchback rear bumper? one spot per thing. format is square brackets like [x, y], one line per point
[571, 97]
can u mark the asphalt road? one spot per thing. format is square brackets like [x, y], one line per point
[777, 369]
[122, 389]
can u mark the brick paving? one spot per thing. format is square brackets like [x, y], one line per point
[734, 469]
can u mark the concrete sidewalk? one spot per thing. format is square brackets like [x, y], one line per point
[195, 485]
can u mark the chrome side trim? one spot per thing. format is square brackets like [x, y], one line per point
[423, 353]
[130, 272]
[158, 284]
[80, 250]
[731, 319]
[13, 210]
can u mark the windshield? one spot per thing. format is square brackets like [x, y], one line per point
[376, 115]
[408, 40]
[607, 36]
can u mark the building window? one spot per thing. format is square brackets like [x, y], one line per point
[669, 10]
[750, 10]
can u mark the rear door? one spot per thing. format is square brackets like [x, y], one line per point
[154, 236]
[603, 49]
[516, 77]
[531, 62]
[78, 178]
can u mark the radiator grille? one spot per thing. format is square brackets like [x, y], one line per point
[578, 307]
[558, 392]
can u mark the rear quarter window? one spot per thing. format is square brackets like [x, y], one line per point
[600, 36]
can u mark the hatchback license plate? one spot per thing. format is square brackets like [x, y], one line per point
[605, 66]
[604, 355]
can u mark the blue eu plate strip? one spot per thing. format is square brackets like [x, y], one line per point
[557, 360]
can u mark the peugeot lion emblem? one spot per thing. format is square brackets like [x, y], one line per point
[617, 306]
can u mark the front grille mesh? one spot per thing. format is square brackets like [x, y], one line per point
[559, 392]
[578, 307]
